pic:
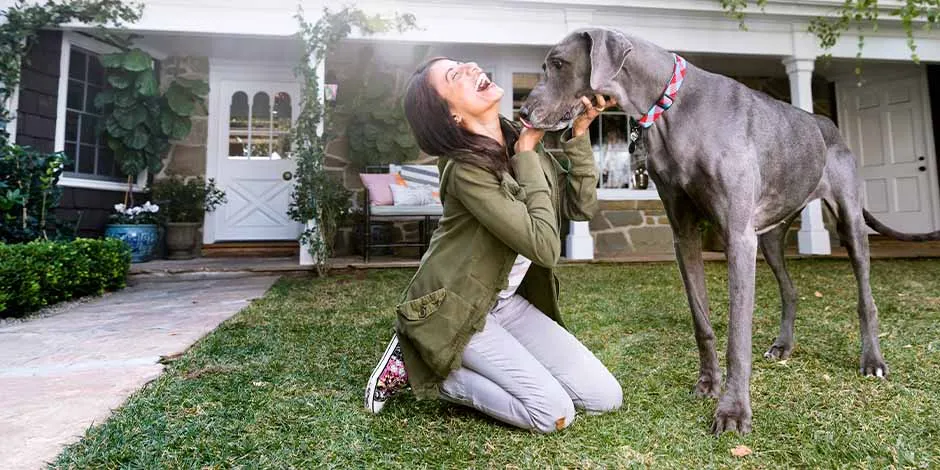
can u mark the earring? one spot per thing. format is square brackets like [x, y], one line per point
[457, 119]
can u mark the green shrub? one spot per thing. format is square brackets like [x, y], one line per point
[40, 273]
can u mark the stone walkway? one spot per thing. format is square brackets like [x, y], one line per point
[63, 373]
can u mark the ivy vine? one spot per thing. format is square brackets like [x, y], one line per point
[319, 200]
[22, 24]
[862, 15]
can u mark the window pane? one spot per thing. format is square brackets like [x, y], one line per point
[261, 125]
[282, 112]
[522, 85]
[75, 95]
[71, 152]
[89, 133]
[77, 64]
[71, 126]
[90, 99]
[86, 159]
[106, 164]
[95, 71]
[238, 125]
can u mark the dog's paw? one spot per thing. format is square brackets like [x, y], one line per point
[708, 385]
[779, 351]
[874, 367]
[732, 416]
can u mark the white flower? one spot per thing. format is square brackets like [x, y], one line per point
[119, 208]
[135, 210]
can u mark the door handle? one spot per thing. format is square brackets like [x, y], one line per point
[922, 168]
[921, 158]
[287, 176]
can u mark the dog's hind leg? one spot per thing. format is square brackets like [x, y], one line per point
[854, 235]
[771, 244]
[688, 243]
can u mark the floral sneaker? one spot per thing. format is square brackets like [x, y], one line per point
[388, 378]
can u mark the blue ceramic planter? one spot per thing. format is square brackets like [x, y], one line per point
[141, 238]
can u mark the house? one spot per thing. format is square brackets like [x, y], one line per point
[247, 52]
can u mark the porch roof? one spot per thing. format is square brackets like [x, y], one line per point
[686, 25]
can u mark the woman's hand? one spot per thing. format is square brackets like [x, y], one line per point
[582, 122]
[528, 139]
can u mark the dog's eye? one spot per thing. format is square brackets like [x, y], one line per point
[556, 63]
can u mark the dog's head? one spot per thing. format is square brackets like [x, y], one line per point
[582, 64]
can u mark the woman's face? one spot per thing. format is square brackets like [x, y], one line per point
[467, 90]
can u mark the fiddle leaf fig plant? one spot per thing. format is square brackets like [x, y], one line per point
[139, 122]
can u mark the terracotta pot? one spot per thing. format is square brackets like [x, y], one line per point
[181, 239]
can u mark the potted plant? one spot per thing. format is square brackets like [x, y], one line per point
[185, 202]
[137, 227]
[139, 121]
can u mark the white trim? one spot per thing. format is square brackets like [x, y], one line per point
[13, 105]
[69, 39]
[86, 183]
[931, 154]
[616, 194]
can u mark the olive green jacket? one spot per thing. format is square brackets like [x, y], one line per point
[487, 221]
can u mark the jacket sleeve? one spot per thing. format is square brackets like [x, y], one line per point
[579, 188]
[523, 218]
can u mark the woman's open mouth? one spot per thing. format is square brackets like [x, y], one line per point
[483, 82]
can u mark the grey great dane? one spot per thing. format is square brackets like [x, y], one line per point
[733, 156]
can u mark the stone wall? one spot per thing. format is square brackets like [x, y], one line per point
[631, 227]
[187, 157]
[641, 227]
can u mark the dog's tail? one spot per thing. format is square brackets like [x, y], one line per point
[883, 229]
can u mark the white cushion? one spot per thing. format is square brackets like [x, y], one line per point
[432, 210]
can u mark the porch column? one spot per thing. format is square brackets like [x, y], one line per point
[306, 259]
[813, 238]
[579, 244]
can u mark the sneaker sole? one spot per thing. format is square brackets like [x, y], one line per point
[370, 403]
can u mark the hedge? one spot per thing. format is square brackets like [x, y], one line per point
[40, 273]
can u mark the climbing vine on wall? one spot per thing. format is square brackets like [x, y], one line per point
[860, 15]
[23, 21]
[319, 200]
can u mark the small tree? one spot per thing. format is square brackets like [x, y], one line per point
[139, 121]
[319, 200]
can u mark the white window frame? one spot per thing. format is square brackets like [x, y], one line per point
[69, 39]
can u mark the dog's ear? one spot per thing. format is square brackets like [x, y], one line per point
[609, 51]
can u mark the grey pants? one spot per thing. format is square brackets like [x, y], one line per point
[526, 370]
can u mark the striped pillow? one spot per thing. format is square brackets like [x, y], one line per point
[418, 175]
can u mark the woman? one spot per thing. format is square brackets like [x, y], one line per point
[479, 324]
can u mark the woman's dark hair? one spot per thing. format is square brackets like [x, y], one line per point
[437, 134]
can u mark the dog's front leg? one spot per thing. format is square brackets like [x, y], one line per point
[688, 243]
[734, 406]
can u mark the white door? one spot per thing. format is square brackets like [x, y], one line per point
[254, 166]
[885, 126]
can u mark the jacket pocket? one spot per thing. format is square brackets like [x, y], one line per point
[421, 308]
[434, 323]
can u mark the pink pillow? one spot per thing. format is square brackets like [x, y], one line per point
[377, 183]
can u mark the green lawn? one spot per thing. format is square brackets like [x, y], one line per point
[280, 385]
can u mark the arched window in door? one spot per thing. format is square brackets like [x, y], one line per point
[258, 128]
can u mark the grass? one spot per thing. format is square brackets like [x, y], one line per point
[280, 384]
